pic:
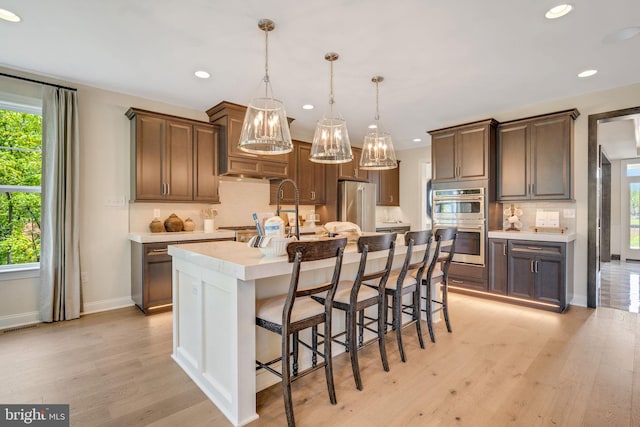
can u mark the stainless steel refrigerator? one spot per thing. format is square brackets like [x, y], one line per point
[357, 204]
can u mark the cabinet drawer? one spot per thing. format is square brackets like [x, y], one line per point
[273, 169]
[537, 248]
[157, 252]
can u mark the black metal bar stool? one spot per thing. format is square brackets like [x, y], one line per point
[353, 298]
[405, 281]
[438, 272]
[288, 314]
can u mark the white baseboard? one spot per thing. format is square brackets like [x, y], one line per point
[107, 304]
[579, 300]
[21, 319]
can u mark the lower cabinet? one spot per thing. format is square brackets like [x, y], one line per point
[151, 275]
[530, 271]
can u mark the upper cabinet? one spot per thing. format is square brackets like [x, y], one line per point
[308, 176]
[172, 158]
[463, 152]
[235, 162]
[351, 171]
[388, 183]
[534, 157]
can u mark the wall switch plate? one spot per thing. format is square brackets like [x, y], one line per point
[156, 213]
[569, 213]
[114, 201]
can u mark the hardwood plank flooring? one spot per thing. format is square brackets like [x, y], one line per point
[502, 365]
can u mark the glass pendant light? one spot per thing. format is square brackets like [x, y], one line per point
[265, 129]
[377, 151]
[331, 139]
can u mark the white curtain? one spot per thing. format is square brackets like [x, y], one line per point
[59, 247]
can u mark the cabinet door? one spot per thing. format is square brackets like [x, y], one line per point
[551, 158]
[205, 149]
[498, 266]
[550, 278]
[472, 153]
[351, 170]
[513, 162]
[179, 161]
[521, 276]
[310, 177]
[388, 186]
[149, 157]
[443, 152]
[157, 275]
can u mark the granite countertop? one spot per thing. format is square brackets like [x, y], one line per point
[540, 237]
[180, 236]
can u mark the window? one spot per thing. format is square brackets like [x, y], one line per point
[20, 175]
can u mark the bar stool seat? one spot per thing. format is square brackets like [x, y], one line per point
[270, 309]
[343, 293]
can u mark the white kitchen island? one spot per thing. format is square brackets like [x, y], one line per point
[215, 287]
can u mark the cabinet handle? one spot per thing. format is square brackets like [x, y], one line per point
[159, 251]
[168, 189]
[456, 281]
[162, 190]
[504, 250]
[534, 248]
[531, 266]
[355, 172]
[282, 194]
[537, 266]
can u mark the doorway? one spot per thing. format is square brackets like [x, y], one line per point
[595, 203]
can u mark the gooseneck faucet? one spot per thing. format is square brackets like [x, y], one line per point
[297, 200]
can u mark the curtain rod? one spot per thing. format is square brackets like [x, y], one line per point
[37, 81]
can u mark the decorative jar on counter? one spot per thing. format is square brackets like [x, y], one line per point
[189, 225]
[156, 226]
[173, 223]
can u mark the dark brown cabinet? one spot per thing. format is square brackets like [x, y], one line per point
[172, 159]
[498, 266]
[530, 271]
[151, 289]
[231, 160]
[351, 171]
[388, 186]
[534, 157]
[464, 152]
[309, 177]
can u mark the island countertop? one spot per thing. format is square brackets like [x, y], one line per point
[237, 260]
[179, 236]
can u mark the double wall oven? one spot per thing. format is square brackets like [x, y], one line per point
[464, 209]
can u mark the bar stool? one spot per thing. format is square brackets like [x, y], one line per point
[438, 272]
[405, 281]
[288, 314]
[353, 298]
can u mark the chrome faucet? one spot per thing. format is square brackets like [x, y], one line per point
[297, 200]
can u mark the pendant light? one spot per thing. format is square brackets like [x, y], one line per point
[377, 151]
[265, 129]
[331, 139]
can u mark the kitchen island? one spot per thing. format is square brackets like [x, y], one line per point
[215, 287]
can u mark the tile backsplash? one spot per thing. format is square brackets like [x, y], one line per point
[238, 201]
[567, 213]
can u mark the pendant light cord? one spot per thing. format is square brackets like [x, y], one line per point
[267, 83]
[377, 117]
[331, 99]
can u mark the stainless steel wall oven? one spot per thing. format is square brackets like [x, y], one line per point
[464, 209]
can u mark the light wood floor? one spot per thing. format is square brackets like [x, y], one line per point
[503, 365]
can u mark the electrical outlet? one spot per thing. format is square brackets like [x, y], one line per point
[156, 213]
[569, 213]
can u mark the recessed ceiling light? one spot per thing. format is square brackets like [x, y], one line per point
[202, 74]
[372, 126]
[7, 15]
[417, 139]
[587, 73]
[621, 35]
[308, 107]
[558, 11]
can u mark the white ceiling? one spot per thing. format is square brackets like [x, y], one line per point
[620, 139]
[444, 62]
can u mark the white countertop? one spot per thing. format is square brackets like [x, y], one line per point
[179, 236]
[237, 260]
[540, 237]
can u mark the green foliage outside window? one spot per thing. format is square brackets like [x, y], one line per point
[20, 165]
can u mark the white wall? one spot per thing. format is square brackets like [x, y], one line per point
[410, 182]
[599, 102]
